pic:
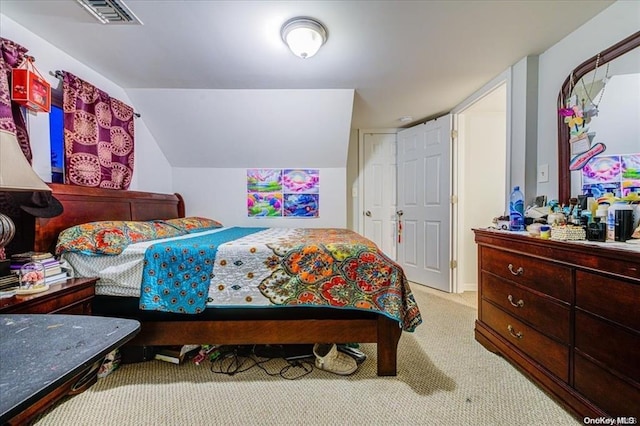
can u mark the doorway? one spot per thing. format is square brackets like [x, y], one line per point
[481, 146]
[481, 174]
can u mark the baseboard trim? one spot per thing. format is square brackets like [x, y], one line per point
[469, 287]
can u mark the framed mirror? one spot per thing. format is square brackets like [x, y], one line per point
[609, 81]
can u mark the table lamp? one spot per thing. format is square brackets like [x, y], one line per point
[16, 174]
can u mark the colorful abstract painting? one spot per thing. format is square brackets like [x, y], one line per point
[617, 174]
[630, 173]
[283, 192]
[264, 180]
[264, 204]
[301, 205]
[299, 181]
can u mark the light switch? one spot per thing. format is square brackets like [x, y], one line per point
[543, 173]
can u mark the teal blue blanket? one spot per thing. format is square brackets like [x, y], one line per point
[176, 274]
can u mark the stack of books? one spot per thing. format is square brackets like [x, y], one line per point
[53, 272]
[175, 354]
[8, 283]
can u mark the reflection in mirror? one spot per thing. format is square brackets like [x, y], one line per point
[599, 124]
[614, 103]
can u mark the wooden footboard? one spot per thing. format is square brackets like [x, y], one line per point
[381, 330]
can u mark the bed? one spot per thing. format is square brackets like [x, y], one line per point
[293, 324]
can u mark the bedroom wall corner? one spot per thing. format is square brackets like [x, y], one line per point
[352, 181]
[152, 171]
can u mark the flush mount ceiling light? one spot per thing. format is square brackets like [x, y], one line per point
[304, 36]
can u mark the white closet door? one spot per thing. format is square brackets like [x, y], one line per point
[379, 203]
[424, 201]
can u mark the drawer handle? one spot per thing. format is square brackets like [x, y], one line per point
[518, 304]
[517, 335]
[518, 271]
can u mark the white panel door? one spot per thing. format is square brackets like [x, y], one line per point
[379, 214]
[424, 176]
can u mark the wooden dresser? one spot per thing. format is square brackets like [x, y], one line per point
[567, 314]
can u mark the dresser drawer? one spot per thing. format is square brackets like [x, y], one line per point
[552, 355]
[81, 308]
[610, 298]
[615, 346]
[617, 397]
[545, 277]
[546, 315]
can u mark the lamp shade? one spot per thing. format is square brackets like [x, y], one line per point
[16, 174]
[304, 36]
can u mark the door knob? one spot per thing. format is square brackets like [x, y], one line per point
[367, 213]
[399, 212]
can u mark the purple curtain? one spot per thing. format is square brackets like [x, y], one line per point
[98, 136]
[11, 119]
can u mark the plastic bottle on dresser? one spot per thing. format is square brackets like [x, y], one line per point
[516, 210]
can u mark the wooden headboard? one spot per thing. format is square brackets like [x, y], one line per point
[83, 204]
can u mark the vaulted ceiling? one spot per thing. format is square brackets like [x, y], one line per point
[403, 58]
[217, 87]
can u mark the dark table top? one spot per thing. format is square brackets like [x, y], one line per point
[38, 353]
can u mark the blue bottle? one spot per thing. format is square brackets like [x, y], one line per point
[516, 210]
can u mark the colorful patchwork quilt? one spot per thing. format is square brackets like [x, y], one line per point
[276, 267]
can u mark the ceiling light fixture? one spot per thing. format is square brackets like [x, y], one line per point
[304, 36]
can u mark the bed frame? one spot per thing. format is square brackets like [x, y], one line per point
[83, 204]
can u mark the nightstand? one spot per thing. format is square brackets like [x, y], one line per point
[73, 296]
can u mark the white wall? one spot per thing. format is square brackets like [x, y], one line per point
[152, 171]
[482, 177]
[618, 122]
[615, 23]
[222, 195]
[352, 196]
[235, 128]
[522, 151]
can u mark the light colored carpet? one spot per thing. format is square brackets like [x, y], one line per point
[445, 378]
